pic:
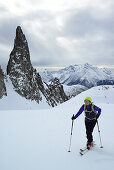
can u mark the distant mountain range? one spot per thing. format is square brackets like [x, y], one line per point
[86, 75]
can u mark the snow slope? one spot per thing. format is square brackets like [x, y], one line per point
[13, 101]
[73, 90]
[39, 139]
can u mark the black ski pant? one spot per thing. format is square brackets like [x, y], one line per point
[89, 129]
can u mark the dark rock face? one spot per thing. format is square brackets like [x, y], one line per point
[81, 82]
[24, 77]
[20, 70]
[55, 93]
[2, 84]
[105, 82]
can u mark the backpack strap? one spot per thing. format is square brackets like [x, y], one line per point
[92, 107]
[84, 107]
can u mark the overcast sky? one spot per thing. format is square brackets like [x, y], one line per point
[60, 32]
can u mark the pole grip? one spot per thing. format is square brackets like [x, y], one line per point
[72, 125]
[71, 135]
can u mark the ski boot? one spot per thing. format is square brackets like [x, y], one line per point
[89, 145]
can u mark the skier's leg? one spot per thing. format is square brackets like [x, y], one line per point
[89, 129]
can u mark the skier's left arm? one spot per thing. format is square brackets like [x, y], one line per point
[98, 110]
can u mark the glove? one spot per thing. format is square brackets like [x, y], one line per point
[73, 117]
[97, 116]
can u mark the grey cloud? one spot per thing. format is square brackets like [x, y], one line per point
[83, 22]
[40, 54]
[43, 55]
[7, 29]
[79, 24]
[7, 34]
[99, 53]
[3, 8]
[43, 15]
[35, 1]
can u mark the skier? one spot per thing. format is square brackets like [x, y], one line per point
[92, 113]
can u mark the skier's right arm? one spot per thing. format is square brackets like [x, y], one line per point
[79, 112]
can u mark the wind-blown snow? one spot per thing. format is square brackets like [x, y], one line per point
[39, 139]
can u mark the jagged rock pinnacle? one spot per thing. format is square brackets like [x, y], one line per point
[25, 79]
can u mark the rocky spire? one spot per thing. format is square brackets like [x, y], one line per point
[25, 79]
[20, 70]
[20, 53]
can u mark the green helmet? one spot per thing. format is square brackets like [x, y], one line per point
[89, 99]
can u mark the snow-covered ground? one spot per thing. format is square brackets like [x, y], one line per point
[13, 101]
[39, 139]
[73, 90]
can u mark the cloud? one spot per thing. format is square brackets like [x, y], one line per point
[91, 36]
[84, 22]
[60, 33]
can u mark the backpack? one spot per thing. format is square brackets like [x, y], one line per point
[90, 113]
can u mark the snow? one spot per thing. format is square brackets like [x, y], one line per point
[46, 75]
[13, 101]
[73, 90]
[39, 139]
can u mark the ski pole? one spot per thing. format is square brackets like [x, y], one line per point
[99, 135]
[71, 135]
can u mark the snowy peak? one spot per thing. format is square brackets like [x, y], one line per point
[86, 75]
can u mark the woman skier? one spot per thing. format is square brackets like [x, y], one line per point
[92, 113]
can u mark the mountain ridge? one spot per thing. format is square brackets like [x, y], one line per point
[85, 74]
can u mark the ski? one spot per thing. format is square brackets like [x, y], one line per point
[82, 149]
[86, 149]
[82, 152]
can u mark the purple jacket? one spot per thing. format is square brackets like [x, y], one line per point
[82, 109]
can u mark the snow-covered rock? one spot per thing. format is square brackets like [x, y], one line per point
[55, 93]
[14, 101]
[23, 76]
[2, 84]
